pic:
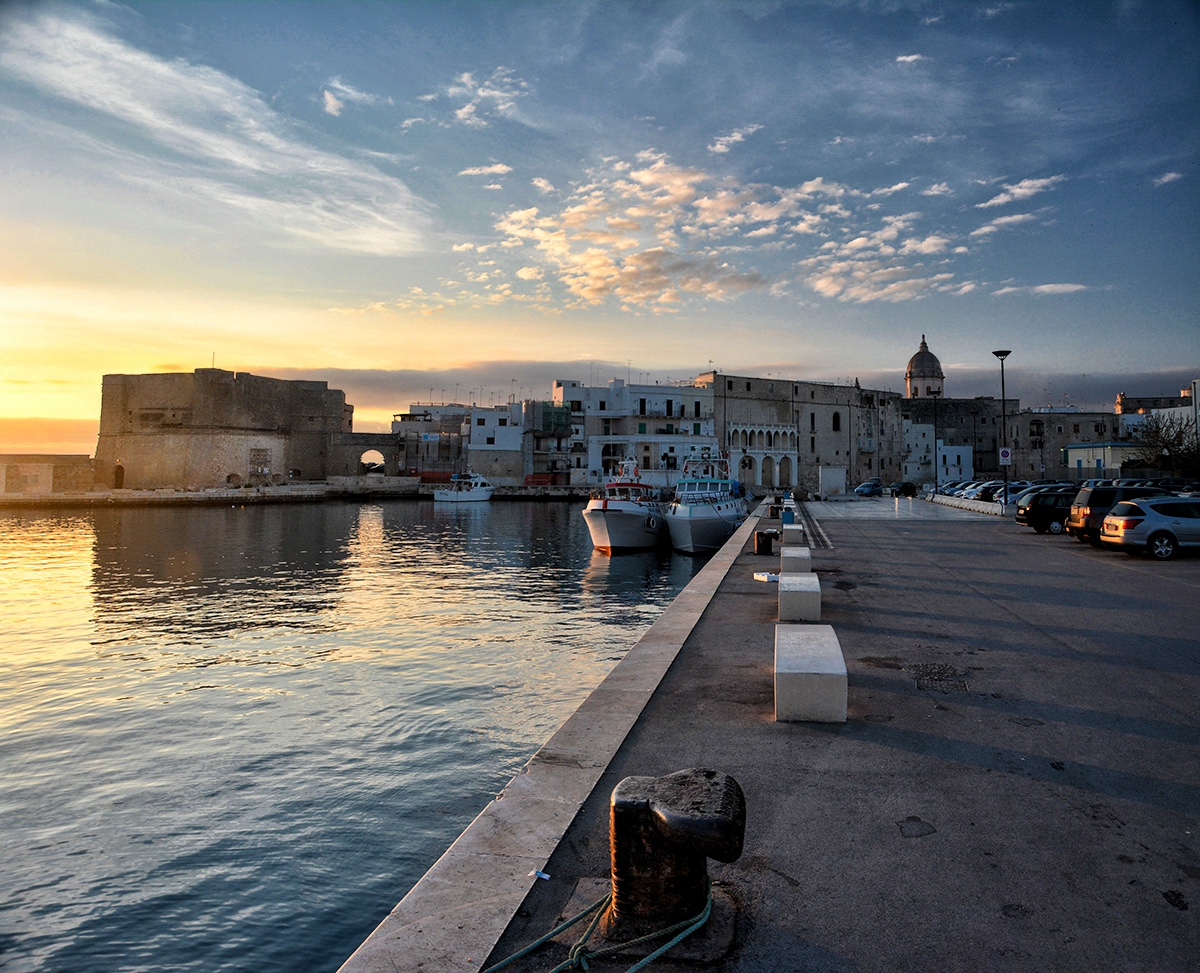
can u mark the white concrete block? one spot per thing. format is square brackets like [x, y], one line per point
[799, 597]
[793, 534]
[794, 558]
[810, 675]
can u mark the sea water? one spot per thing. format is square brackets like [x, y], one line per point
[232, 738]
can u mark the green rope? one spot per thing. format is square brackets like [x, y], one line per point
[579, 955]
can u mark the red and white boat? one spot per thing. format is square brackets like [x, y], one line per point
[627, 515]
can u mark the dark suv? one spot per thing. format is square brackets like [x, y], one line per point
[1091, 504]
[1045, 510]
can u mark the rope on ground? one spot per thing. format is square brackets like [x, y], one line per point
[579, 956]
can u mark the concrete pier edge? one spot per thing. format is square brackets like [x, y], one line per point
[454, 916]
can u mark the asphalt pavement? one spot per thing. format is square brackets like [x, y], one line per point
[1017, 786]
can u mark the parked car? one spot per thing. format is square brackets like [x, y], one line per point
[905, 489]
[1159, 526]
[872, 488]
[1045, 510]
[1091, 504]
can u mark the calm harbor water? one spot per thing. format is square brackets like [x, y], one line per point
[233, 738]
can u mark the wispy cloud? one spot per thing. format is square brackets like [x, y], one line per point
[1042, 289]
[910, 58]
[497, 169]
[1021, 190]
[479, 101]
[725, 142]
[1167, 177]
[1000, 222]
[202, 134]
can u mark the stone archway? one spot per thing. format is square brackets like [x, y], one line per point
[371, 461]
[785, 471]
[768, 472]
[118, 477]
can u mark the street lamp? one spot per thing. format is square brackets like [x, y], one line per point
[935, 394]
[1003, 421]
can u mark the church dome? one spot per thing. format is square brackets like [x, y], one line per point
[924, 373]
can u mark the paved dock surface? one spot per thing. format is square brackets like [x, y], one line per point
[1017, 786]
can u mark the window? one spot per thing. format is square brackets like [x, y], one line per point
[812, 444]
[641, 407]
[491, 440]
[696, 408]
[812, 422]
[576, 405]
[607, 428]
[670, 407]
[747, 386]
[729, 385]
[695, 429]
[641, 429]
[480, 421]
[504, 422]
[602, 406]
[1077, 428]
[837, 422]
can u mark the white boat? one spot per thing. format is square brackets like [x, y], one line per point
[627, 515]
[708, 505]
[465, 488]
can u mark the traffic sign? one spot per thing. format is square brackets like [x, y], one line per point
[1005, 456]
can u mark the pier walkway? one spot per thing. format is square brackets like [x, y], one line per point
[1017, 785]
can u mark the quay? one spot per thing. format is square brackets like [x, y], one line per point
[334, 488]
[1016, 785]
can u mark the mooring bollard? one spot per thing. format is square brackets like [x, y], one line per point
[662, 831]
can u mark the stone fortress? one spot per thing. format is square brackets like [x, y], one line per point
[215, 429]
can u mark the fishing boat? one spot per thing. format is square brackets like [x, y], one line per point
[627, 515]
[708, 506]
[464, 488]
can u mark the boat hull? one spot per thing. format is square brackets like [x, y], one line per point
[475, 495]
[616, 528]
[704, 527]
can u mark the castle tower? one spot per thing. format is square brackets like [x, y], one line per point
[924, 373]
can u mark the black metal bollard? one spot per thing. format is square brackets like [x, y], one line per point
[662, 831]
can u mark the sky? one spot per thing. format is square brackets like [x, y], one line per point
[462, 201]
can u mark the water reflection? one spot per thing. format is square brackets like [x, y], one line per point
[234, 737]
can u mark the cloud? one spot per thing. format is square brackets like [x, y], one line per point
[938, 189]
[498, 169]
[910, 58]
[201, 135]
[345, 92]
[1167, 177]
[332, 105]
[1021, 190]
[1002, 221]
[725, 142]
[481, 101]
[542, 185]
[1040, 289]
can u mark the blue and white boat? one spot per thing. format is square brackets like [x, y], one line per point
[708, 506]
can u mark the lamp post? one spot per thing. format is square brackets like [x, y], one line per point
[1003, 421]
[935, 394]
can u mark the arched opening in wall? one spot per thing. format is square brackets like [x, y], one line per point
[118, 477]
[745, 439]
[785, 472]
[837, 422]
[370, 462]
[747, 470]
[762, 441]
[768, 471]
[233, 480]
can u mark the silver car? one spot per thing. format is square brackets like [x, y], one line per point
[1160, 526]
